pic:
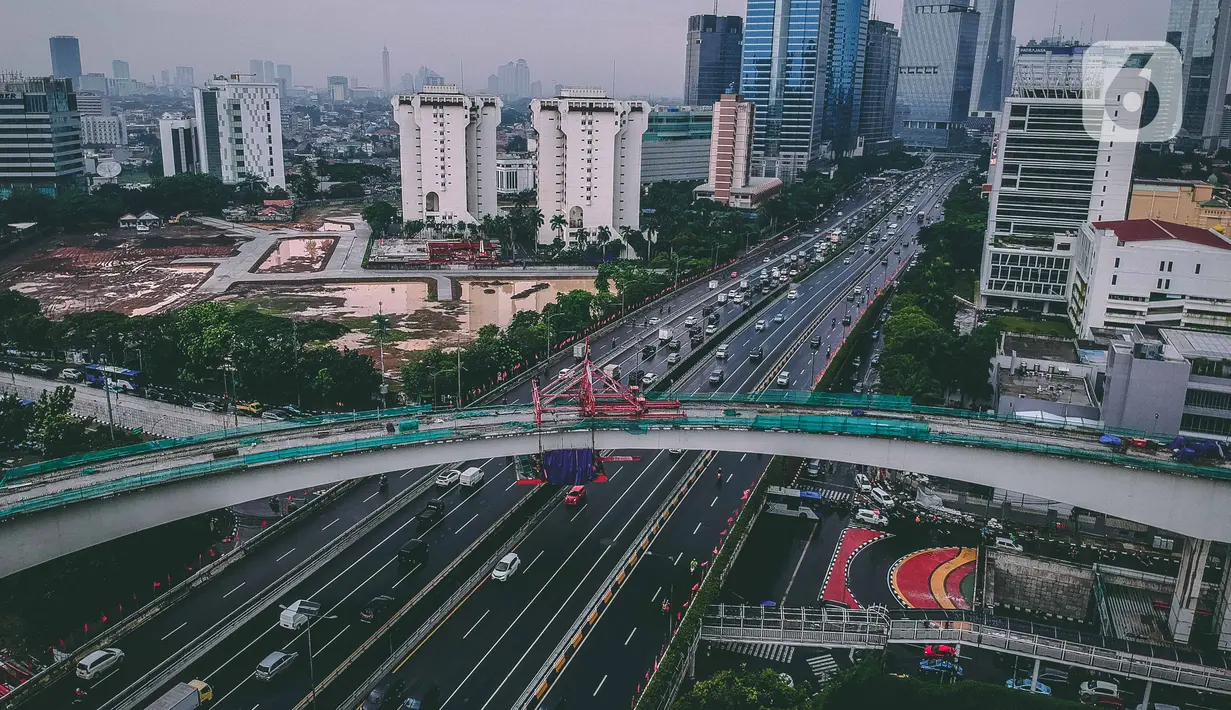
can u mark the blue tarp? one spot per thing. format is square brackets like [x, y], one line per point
[1109, 439]
[569, 467]
[810, 494]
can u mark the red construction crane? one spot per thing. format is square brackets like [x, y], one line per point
[589, 392]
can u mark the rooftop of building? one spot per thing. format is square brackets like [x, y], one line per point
[1153, 230]
[1036, 348]
[1049, 387]
[1197, 344]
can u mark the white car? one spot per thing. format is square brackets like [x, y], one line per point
[70, 374]
[445, 479]
[506, 567]
[99, 663]
[649, 378]
[711, 329]
[1098, 689]
[784, 379]
[690, 321]
[673, 358]
[760, 325]
[731, 294]
[792, 295]
[871, 517]
[654, 321]
[564, 374]
[862, 483]
[847, 260]
[765, 260]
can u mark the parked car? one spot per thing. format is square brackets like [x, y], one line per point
[871, 517]
[506, 567]
[1092, 689]
[939, 667]
[1025, 684]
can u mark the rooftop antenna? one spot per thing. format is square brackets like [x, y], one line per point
[462, 69]
[613, 78]
[1054, 14]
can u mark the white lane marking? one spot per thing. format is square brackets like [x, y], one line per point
[365, 500]
[330, 524]
[466, 523]
[335, 638]
[536, 559]
[579, 509]
[403, 579]
[284, 554]
[406, 473]
[694, 530]
[224, 596]
[600, 687]
[677, 559]
[741, 458]
[476, 624]
[232, 690]
[714, 501]
[630, 633]
[514, 483]
[164, 638]
[656, 593]
[730, 476]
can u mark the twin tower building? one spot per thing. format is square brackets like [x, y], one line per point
[589, 159]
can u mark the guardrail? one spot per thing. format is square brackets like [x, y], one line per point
[137, 692]
[848, 628]
[453, 601]
[594, 609]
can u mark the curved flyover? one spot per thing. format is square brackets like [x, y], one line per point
[55, 514]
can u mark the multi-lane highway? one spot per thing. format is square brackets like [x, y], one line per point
[489, 649]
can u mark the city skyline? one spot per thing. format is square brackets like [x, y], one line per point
[554, 42]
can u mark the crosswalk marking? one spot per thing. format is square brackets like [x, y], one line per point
[823, 667]
[769, 651]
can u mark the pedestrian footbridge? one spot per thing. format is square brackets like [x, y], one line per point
[57, 507]
[876, 628]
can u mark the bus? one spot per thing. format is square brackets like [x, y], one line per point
[117, 377]
[793, 502]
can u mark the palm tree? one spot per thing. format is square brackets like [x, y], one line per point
[558, 223]
[524, 198]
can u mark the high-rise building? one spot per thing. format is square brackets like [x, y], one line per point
[514, 79]
[427, 77]
[384, 69]
[256, 67]
[589, 161]
[184, 78]
[780, 73]
[993, 73]
[844, 33]
[1201, 31]
[166, 77]
[936, 70]
[448, 154]
[338, 88]
[1048, 176]
[119, 69]
[104, 131]
[712, 58]
[269, 72]
[239, 130]
[880, 85]
[536, 89]
[40, 135]
[408, 83]
[285, 82]
[90, 103]
[179, 140]
[730, 177]
[493, 84]
[65, 57]
[676, 143]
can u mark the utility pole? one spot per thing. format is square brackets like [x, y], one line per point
[458, 404]
[107, 395]
[295, 340]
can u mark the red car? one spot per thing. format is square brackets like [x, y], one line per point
[939, 651]
[576, 496]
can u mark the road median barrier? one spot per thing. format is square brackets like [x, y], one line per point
[175, 663]
[457, 581]
[570, 644]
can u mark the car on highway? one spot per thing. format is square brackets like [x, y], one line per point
[449, 477]
[732, 294]
[273, 665]
[784, 379]
[711, 329]
[654, 321]
[779, 317]
[760, 325]
[575, 496]
[716, 377]
[387, 694]
[765, 260]
[648, 379]
[506, 567]
[431, 513]
[695, 339]
[847, 260]
[871, 517]
[846, 319]
[792, 295]
[99, 663]
[673, 358]
[815, 343]
[674, 344]
[377, 608]
[876, 334]
[690, 321]
[756, 353]
[564, 374]
[648, 351]
[1025, 684]
[1092, 690]
[793, 272]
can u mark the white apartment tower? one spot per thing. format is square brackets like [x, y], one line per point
[589, 161]
[448, 142]
[239, 130]
[1048, 176]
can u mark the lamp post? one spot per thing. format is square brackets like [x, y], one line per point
[550, 318]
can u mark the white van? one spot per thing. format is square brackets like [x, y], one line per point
[881, 497]
[721, 354]
[297, 613]
[471, 477]
[99, 663]
[1004, 543]
[862, 483]
[722, 298]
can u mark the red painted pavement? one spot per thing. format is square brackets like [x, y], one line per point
[953, 585]
[853, 540]
[913, 574]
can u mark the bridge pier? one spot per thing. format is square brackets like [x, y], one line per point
[1222, 611]
[1034, 675]
[1188, 589]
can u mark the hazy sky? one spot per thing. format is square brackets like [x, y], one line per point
[566, 41]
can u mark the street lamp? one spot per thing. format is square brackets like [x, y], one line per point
[310, 609]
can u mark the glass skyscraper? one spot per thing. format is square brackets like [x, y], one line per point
[880, 84]
[845, 28]
[780, 74]
[711, 64]
[993, 56]
[934, 79]
[1200, 30]
[65, 57]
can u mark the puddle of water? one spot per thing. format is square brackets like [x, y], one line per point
[496, 302]
[298, 255]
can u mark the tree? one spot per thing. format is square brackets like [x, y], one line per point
[379, 215]
[252, 190]
[558, 223]
[15, 421]
[413, 227]
[51, 426]
[304, 183]
[346, 190]
[748, 690]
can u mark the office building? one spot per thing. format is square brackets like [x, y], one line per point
[384, 70]
[239, 130]
[1048, 177]
[515, 173]
[427, 77]
[589, 161]
[107, 131]
[179, 140]
[880, 86]
[844, 29]
[993, 70]
[493, 84]
[94, 82]
[448, 154]
[338, 88]
[935, 72]
[166, 77]
[1146, 272]
[730, 157]
[1188, 202]
[676, 144]
[780, 74]
[269, 73]
[65, 57]
[93, 104]
[1201, 31]
[514, 79]
[40, 136]
[184, 78]
[285, 82]
[256, 68]
[408, 83]
[712, 59]
[119, 69]
[536, 89]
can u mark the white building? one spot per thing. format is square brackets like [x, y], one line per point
[1048, 177]
[589, 161]
[178, 139]
[448, 142]
[730, 180]
[239, 130]
[515, 173]
[104, 130]
[1146, 272]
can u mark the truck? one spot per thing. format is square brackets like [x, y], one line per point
[713, 284]
[743, 284]
[579, 351]
[184, 696]
[612, 371]
[298, 613]
[664, 334]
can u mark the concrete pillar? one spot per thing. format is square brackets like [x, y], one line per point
[1187, 589]
[1034, 677]
[1222, 612]
[1145, 697]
